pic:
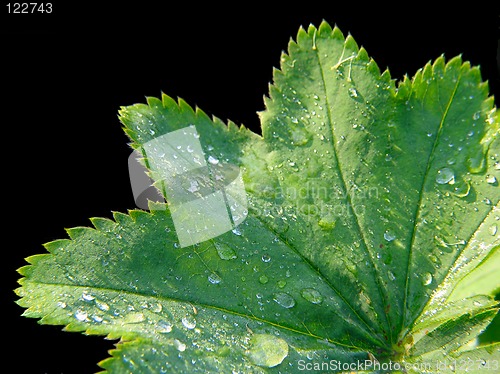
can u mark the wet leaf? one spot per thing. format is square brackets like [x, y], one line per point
[370, 204]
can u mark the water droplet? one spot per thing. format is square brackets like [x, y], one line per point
[312, 295]
[462, 189]
[427, 279]
[445, 176]
[189, 322]
[281, 283]
[267, 350]
[284, 299]
[476, 116]
[493, 229]
[97, 318]
[189, 148]
[263, 279]
[353, 92]
[491, 179]
[327, 222]
[300, 136]
[389, 235]
[60, 304]
[87, 297]
[213, 160]
[266, 258]
[224, 251]
[214, 278]
[497, 165]
[134, 318]
[476, 164]
[181, 347]
[210, 148]
[391, 275]
[81, 315]
[163, 327]
[194, 187]
[236, 231]
[103, 306]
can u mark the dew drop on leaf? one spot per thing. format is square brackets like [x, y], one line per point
[281, 283]
[87, 297]
[163, 327]
[224, 251]
[81, 315]
[214, 278]
[445, 176]
[284, 299]
[493, 229]
[263, 279]
[389, 235]
[312, 295]
[353, 92]
[491, 179]
[266, 258]
[391, 275]
[189, 322]
[181, 347]
[101, 305]
[427, 279]
[134, 318]
[267, 350]
[213, 160]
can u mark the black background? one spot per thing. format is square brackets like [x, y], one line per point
[65, 75]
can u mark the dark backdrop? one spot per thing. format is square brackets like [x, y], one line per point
[65, 75]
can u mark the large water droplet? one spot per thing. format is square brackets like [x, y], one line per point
[327, 221]
[476, 164]
[300, 136]
[214, 278]
[312, 295]
[493, 229]
[102, 305]
[189, 322]
[164, 327]
[224, 251]
[134, 318]
[353, 92]
[427, 279]
[281, 283]
[236, 231]
[491, 179]
[445, 176]
[81, 315]
[87, 297]
[181, 347]
[391, 275]
[263, 279]
[266, 258]
[267, 350]
[194, 187]
[213, 160]
[389, 235]
[284, 299]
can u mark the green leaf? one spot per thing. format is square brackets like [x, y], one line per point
[369, 204]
